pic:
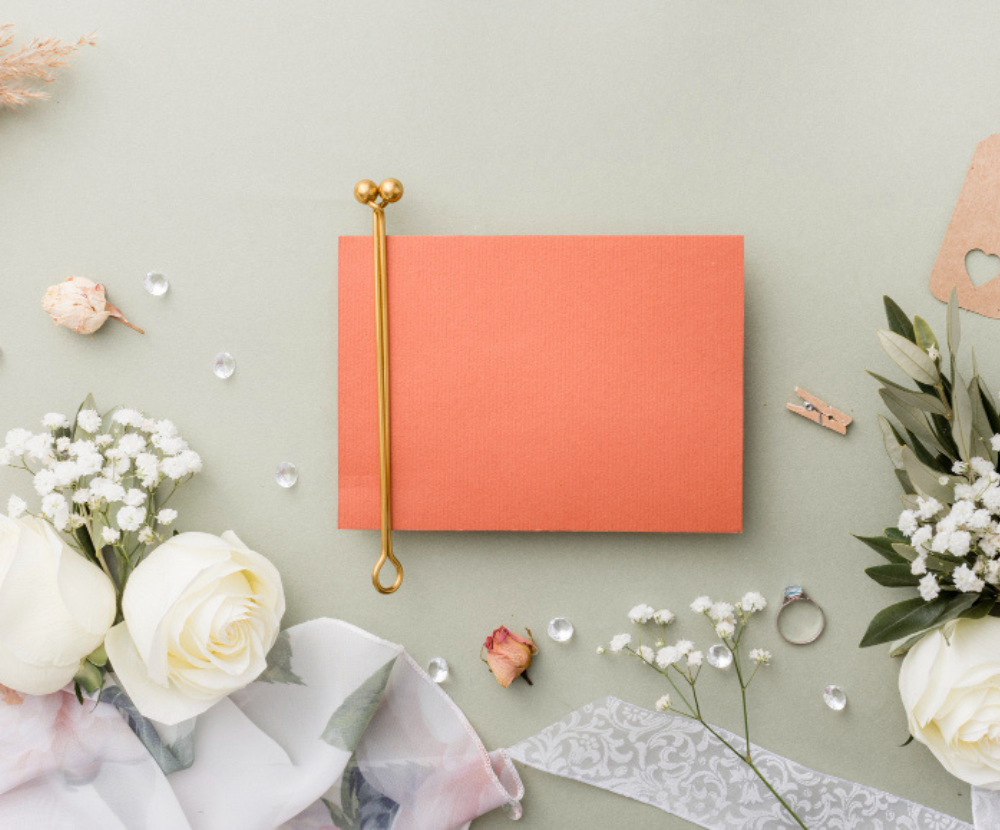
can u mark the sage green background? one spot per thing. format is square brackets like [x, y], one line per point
[219, 142]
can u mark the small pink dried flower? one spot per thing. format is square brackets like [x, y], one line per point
[509, 655]
[81, 305]
[32, 62]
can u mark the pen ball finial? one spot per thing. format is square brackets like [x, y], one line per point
[365, 191]
[391, 190]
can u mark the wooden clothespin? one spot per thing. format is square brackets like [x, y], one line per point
[821, 412]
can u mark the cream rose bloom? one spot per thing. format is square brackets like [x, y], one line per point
[201, 613]
[55, 607]
[950, 685]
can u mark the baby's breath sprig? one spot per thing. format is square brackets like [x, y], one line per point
[681, 663]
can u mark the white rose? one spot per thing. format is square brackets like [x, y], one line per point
[201, 613]
[55, 607]
[950, 685]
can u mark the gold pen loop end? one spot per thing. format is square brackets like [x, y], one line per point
[376, 579]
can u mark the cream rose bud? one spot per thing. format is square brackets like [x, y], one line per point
[950, 685]
[201, 613]
[55, 607]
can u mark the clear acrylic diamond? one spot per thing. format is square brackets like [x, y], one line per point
[224, 365]
[156, 284]
[437, 668]
[835, 698]
[720, 656]
[560, 629]
[287, 474]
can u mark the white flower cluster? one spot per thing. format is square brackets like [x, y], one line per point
[726, 616]
[104, 474]
[963, 539]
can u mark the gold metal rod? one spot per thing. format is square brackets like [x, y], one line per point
[366, 192]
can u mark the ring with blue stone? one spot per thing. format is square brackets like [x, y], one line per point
[792, 595]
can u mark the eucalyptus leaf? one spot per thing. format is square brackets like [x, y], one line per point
[920, 400]
[909, 357]
[911, 419]
[904, 482]
[961, 424]
[897, 319]
[882, 545]
[927, 458]
[906, 552]
[925, 337]
[954, 325]
[909, 502]
[924, 479]
[892, 441]
[912, 615]
[893, 575]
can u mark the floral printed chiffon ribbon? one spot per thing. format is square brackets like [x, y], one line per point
[343, 731]
[673, 763]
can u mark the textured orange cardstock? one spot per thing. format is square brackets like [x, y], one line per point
[547, 383]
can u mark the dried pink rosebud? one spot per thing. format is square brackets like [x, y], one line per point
[508, 654]
[81, 305]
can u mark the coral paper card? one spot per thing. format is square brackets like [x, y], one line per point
[547, 383]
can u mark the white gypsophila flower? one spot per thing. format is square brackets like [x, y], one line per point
[130, 518]
[646, 653]
[663, 703]
[907, 522]
[104, 440]
[76, 520]
[667, 656]
[664, 616]
[928, 508]
[640, 613]
[39, 447]
[932, 352]
[6, 457]
[725, 628]
[63, 443]
[753, 601]
[145, 535]
[939, 544]
[960, 513]
[992, 572]
[995, 443]
[128, 417]
[601, 650]
[45, 482]
[174, 445]
[980, 520]
[148, 425]
[960, 468]
[173, 467]
[89, 420]
[166, 515]
[701, 605]
[192, 461]
[55, 420]
[760, 656]
[103, 489]
[165, 428]
[965, 492]
[78, 448]
[684, 646]
[131, 444]
[54, 507]
[965, 580]
[721, 611]
[109, 535]
[135, 497]
[694, 659]
[117, 467]
[991, 498]
[16, 507]
[929, 588]
[959, 542]
[81, 496]
[943, 481]
[619, 642]
[66, 472]
[922, 536]
[17, 441]
[89, 463]
[981, 466]
[918, 566]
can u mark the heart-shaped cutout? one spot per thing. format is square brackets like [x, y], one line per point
[981, 266]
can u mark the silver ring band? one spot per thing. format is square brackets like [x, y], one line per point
[792, 595]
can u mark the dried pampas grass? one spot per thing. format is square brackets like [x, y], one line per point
[35, 62]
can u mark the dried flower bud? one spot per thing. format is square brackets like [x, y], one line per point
[81, 305]
[508, 655]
